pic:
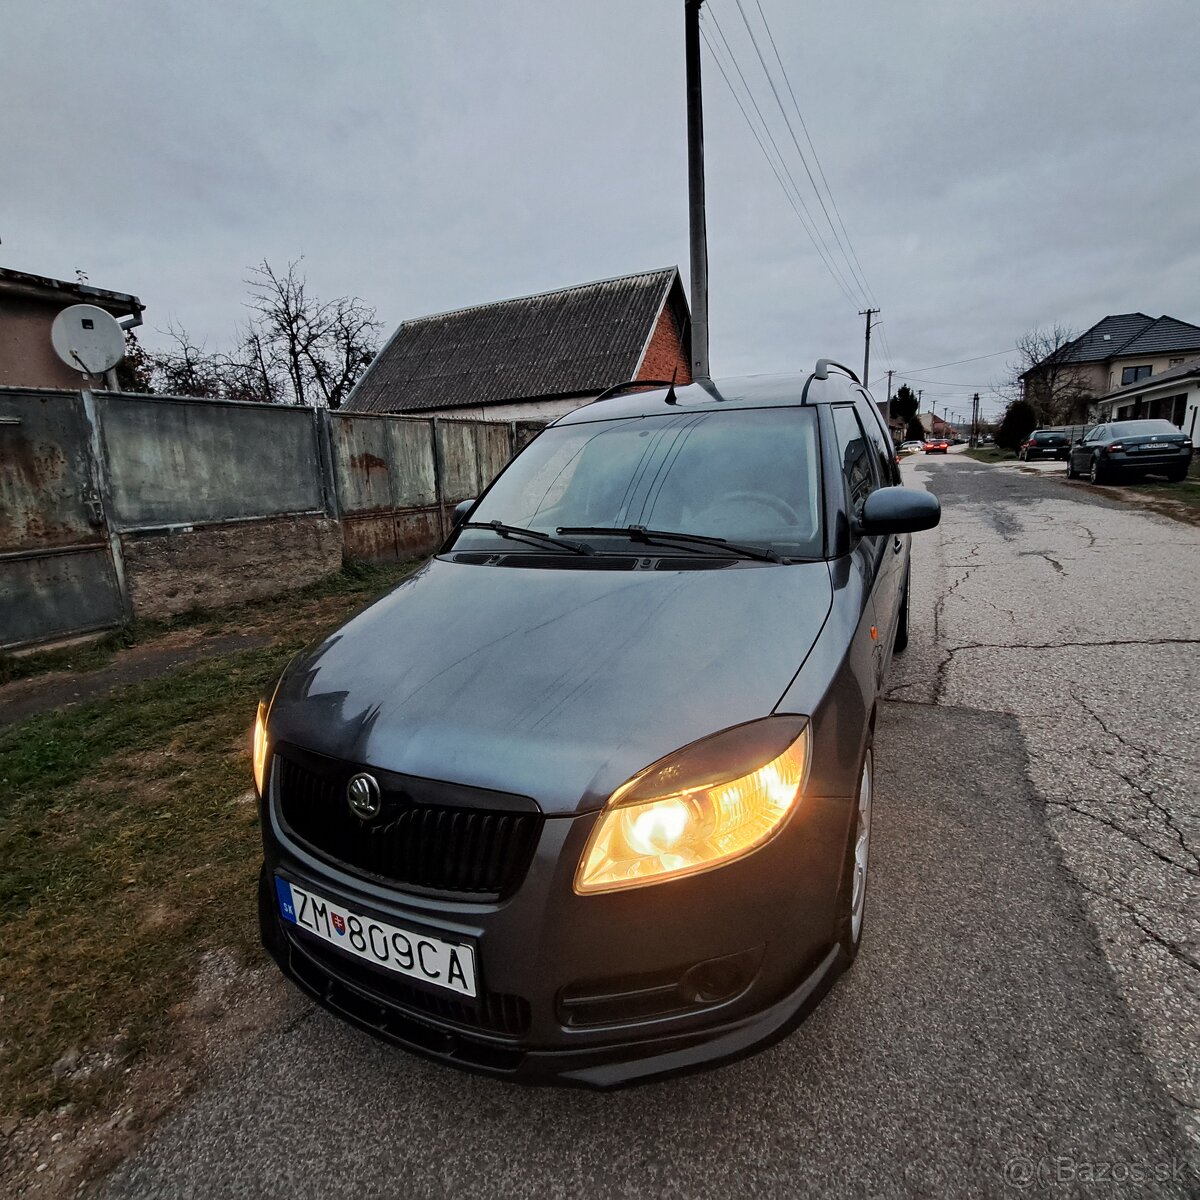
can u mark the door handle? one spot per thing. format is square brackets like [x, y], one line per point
[897, 544]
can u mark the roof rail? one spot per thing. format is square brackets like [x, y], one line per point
[823, 365]
[631, 385]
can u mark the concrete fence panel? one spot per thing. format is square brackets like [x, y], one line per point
[493, 449]
[459, 461]
[175, 461]
[58, 575]
[382, 462]
[115, 506]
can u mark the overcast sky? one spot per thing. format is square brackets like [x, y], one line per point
[998, 166]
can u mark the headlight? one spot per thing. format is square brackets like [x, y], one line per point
[259, 752]
[701, 807]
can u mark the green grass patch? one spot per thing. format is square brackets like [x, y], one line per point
[354, 579]
[129, 846]
[990, 454]
[1186, 493]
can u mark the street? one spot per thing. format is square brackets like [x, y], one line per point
[1026, 1007]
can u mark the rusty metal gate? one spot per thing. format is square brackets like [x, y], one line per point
[57, 574]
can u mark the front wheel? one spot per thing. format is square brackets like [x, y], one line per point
[854, 878]
[1071, 472]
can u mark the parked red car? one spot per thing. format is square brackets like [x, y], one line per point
[937, 446]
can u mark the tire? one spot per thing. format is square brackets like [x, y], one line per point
[853, 892]
[1097, 474]
[1071, 472]
[901, 642]
[1175, 475]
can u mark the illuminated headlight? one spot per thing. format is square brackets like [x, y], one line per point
[259, 750]
[705, 805]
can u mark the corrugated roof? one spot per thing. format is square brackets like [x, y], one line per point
[573, 341]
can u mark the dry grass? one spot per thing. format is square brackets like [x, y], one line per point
[129, 847]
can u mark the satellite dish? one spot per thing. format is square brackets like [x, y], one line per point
[88, 339]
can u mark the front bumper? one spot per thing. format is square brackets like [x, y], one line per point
[589, 990]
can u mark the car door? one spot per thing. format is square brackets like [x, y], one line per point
[1096, 437]
[860, 477]
[893, 566]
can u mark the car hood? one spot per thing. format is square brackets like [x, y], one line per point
[557, 684]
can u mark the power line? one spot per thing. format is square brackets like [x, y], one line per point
[801, 209]
[862, 275]
[959, 361]
[796, 142]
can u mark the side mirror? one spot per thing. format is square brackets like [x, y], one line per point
[899, 510]
[461, 509]
[1079, 441]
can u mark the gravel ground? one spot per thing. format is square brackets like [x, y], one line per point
[1078, 616]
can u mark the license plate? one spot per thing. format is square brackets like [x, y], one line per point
[1157, 448]
[444, 964]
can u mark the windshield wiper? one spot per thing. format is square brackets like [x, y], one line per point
[534, 536]
[639, 533]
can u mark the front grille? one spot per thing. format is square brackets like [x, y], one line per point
[428, 847]
[495, 1013]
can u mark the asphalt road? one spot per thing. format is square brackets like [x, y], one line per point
[986, 1043]
[1055, 604]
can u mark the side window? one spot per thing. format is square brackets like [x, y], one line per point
[856, 454]
[881, 442]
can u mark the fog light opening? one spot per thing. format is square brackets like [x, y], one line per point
[719, 979]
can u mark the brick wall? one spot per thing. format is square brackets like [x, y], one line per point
[665, 357]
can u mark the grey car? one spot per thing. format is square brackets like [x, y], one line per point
[588, 797]
[1131, 449]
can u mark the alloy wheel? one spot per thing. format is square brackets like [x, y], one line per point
[862, 849]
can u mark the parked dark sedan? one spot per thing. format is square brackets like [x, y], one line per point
[1045, 443]
[1131, 448]
[588, 797]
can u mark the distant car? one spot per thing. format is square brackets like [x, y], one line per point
[1045, 443]
[937, 446]
[986, 440]
[911, 447]
[1131, 448]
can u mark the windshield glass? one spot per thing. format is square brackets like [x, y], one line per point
[748, 476]
[1147, 428]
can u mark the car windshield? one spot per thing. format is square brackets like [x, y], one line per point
[748, 476]
[1146, 428]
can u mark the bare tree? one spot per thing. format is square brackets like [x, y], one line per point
[294, 349]
[321, 347]
[1047, 379]
[187, 368]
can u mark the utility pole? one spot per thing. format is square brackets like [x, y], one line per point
[889, 400]
[868, 313]
[975, 419]
[696, 224]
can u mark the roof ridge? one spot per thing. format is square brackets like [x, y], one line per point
[559, 291]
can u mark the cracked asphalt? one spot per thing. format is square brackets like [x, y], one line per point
[1078, 616]
[1023, 1015]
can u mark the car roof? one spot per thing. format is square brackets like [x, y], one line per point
[747, 391]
